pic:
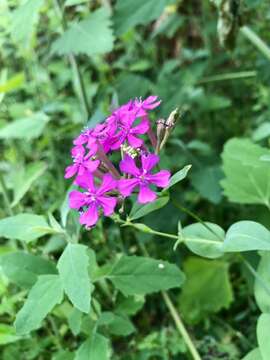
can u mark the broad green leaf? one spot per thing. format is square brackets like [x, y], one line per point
[91, 36]
[74, 2]
[24, 179]
[44, 295]
[134, 275]
[206, 242]
[23, 22]
[13, 83]
[75, 321]
[7, 334]
[254, 354]
[129, 13]
[26, 128]
[24, 227]
[247, 178]
[139, 211]
[63, 355]
[262, 132]
[73, 271]
[206, 290]
[116, 324]
[247, 236]
[94, 348]
[263, 330]
[23, 269]
[179, 176]
[262, 283]
[206, 181]
[130, 305]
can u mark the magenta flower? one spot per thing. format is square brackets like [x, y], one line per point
[142, 106]
[142, 178]
[94, 199]
[81, 162]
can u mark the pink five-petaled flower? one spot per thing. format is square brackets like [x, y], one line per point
[142, 178]
[81, 162]
[93, 199]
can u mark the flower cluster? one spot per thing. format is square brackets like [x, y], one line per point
[101, 183]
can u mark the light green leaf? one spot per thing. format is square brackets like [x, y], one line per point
[26, 128]
[179, 176]
[206, 290]
[129, 13]
[23, 22]
[116, 324]
[73, 271]
[23, 268]
[7, 334]
[254, 354]
[74, 2]
[206, 242]
[247, 236]
[262, 283]
[247, 177]
[95, 348]
[24, 179]
[134, 275]
[263, 330]
[75, 321]
[91, 36]
[24, 227]
[13, 83]
[139, 211]
[44, 295]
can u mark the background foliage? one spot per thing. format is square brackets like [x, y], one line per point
[64, 65]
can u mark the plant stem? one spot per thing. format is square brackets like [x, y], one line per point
[180, 326]
[256, 41]
[77, 80]
[5, 195]
[228, 76]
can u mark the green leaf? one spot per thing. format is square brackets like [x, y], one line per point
[116, 324]
[129, 13]
[139, 211]
[178, 176]
[23, 268]
[74, 2]
[92, 36]
[247, 236]
[134, 275]
[75, 321]
[263, 330]
[24, 179]
[24, 227]
[206, 242]
[130, 86]
[206, 290]
[94, 348]
[247, 177]
[7, 334]
[262, 283]
[73, 271]
[13, 83]
[23, 22]
[206, 181]
[254, 354]
[44, 295]
[26, 128]
[130, 305]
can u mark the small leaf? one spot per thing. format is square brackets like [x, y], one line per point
[247, 236]
[206, 242]
[116, 324]
[91, 36]
[13, 83]
[75, 321]
[262, 283]
[95, 348]
[23, 268]
[134, 275]
[263, 329]
[7, 334]
[139, 211]
[73, 271]
[254, 354]
[179, 176]
[24, 227]
[24, 180]
[26, 128]
[44, 295]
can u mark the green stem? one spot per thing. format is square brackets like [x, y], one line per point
[256, 41]
[57, 336]
[5, 195]
[228, 76]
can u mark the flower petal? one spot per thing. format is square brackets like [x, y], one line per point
[128, 166]
[108, 204]
[86, 181]
[161, 179]
[90, 216]
[76, 199]
[149, 161]
[126, 186]
[91, 165]
[146, 195]
[134, 141]
[141, 128]
[71, 171]
[108, 183]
